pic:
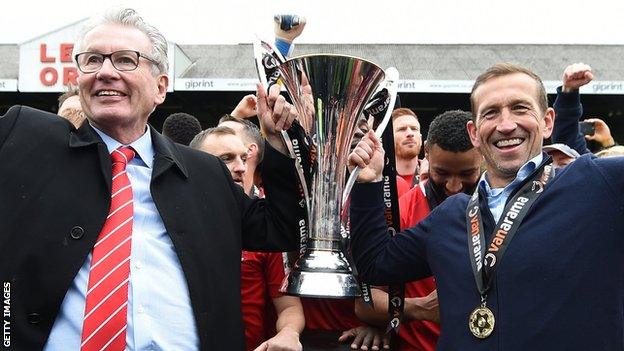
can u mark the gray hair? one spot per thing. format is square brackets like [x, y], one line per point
[199, 139]
[130, 18]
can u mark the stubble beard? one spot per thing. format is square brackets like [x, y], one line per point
[403, 152]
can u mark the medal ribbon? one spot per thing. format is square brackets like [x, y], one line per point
[396, 292]
[518, 205]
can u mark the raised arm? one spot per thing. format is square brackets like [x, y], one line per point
[568, 108]
[380, 259]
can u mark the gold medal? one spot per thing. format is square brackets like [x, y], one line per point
[481, 322]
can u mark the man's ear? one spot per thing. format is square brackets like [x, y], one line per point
[162, 82]
[473, 133]
[252, 149]
[549, 122]
[426, 147]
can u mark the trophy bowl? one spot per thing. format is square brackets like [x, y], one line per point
[329, 93]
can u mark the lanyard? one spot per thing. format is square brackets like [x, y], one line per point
[485, 261]
[396, 292]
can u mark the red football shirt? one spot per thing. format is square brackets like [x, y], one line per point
[329, 314]
[417, 335]
[261, 277]
[402, 186]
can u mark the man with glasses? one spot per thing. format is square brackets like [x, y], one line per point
[111, 236]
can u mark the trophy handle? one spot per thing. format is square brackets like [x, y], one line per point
[391, 83]
[263, 50]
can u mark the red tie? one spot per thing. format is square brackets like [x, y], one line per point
[104, 325]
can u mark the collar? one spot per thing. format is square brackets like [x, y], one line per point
[524, 172]
[160, 154]
[142, 146]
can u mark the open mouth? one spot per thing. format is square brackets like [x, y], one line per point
[505, 144]
[109, 93]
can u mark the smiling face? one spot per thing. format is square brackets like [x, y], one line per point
[510, 125]
[116, 102]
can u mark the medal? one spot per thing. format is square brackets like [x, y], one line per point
[486, 259]
[481, 322]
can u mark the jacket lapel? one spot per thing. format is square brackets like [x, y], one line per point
[84, 137]
[167, 155]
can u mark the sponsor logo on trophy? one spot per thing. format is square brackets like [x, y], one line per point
[330, 93]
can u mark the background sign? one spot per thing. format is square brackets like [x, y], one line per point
[46, 62]
[8, 84]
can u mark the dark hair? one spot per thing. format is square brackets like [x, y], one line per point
[504, 69]
[181, 127]
[251, 131]
[449, 131]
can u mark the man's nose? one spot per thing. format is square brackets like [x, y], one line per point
[239, 166]
[507, 122]
[107, 70]
[454, 185]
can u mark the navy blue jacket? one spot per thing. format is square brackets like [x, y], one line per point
[560, 284]
[569, 110]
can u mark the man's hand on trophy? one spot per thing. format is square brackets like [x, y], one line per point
[275, 115]
[369, 156]
[308, 99]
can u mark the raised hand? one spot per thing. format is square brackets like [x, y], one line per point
[602, 134]
[275, 115]
[246, 108]
[369, 156]
[575, 76]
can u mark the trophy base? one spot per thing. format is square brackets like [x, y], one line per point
[322, 274]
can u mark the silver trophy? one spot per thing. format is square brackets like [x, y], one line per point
[329, 93]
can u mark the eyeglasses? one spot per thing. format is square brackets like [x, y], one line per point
[122, 60]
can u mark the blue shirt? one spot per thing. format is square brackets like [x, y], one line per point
[160, 316]
[497, 197]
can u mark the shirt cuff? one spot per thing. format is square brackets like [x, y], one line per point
[283, 46]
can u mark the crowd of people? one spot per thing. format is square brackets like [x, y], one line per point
[115, 236]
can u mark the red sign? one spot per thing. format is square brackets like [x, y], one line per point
[49, 75]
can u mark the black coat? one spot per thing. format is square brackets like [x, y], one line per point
[54, 198]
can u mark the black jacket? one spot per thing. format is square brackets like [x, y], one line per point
[55, 196]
